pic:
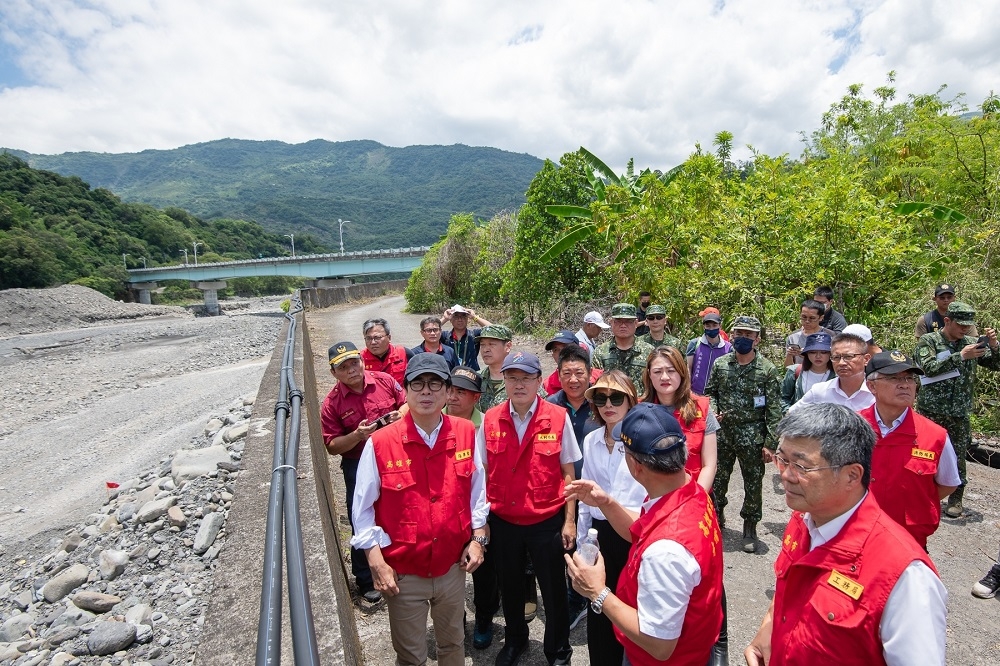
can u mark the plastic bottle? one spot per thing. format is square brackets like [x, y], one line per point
[588, 547]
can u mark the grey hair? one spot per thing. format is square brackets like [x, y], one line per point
[668, 462]
[875, 375]
[849, 337]
[844, 437]
[372, 323]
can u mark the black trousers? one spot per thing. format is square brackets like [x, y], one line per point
[485, 593]
[543, 541]
[604, 648]
[359, 561]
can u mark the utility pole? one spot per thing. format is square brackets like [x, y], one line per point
[126, 263]
[196, 244]
[292, 236]
[143, 260]
[342, 223]
[185, 251]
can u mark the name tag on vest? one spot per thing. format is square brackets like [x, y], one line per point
[546, 437]
[463, 455]
[922, 453]
[848, 586]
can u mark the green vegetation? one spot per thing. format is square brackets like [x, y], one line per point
[887, 198]
[56, 229]
[393, 197]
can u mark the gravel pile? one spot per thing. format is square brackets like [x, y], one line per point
[130, 585]
[24, 311]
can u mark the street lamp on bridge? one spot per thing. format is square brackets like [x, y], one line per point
[342, 223]
[292, 236]
[126, 263]
[143, 260]
[196, 244]
[185, 251]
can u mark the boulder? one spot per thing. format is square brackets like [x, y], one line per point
[238, 431]
[65, 582]
[192, 463]
[15, 627]
[110, 637]
[209, 529]
[112, 563]
[95, 602]
[151, 511]
[176, 517]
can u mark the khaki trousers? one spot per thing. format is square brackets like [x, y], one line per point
[408, 618]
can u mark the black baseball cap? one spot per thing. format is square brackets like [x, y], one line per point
[427, 363]
[466, 378]
[891, 363]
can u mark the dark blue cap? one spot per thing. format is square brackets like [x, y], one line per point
[818, 342]
[649, 429]
[564, 336]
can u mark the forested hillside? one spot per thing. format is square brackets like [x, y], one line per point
[56, 229]
[393, 197]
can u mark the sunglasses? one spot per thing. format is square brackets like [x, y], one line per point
[656, 317]
[601, 399]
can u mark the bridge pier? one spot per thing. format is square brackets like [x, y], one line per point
[211, 291]
[144, 288]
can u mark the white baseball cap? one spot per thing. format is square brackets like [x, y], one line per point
[458, 309]
[859, 330]
[594, 317]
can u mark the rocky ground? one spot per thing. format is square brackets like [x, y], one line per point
[94, 392]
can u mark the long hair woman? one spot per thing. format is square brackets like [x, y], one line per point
[667, 381]
[611, 396]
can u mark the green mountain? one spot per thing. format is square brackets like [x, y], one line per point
[392, 197]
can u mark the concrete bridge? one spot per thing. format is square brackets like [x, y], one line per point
[324, 270]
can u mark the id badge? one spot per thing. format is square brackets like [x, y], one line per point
[759, 401]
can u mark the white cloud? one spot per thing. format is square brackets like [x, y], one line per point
[640, 79]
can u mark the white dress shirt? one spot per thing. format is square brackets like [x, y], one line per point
[369, 486]
[947, 469]
[830, 391]
[611, 474]
[570, 451]
[913, 623]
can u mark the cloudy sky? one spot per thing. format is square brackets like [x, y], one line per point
[628, 79]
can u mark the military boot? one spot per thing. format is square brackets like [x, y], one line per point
[720, 651]
[749, 536]
[954, 508]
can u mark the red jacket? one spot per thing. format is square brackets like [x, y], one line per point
[687, 517]
[393, 364]
[425, 495]
[828, 603]
[695, 434]
[524, 482]
[903, 467]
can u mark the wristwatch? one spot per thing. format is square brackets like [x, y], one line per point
[597, 605]
[482, 540]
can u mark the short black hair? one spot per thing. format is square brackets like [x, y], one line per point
[430, 320]
[644, 293]
[825, 291]
[573, 352]
[814, 305]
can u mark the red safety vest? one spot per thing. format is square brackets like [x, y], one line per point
[903, 467]
[695, 435]
[425, 495]
[393, 364]
[524, 482]
[687, 517]
[828, 603]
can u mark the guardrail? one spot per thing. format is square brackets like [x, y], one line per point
[283, 509]
[358, 254]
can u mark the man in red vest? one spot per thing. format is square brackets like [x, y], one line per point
[914, 465]
[668, 605]
[853, 587]
[420, 515]
[530, 451]
[379, 354]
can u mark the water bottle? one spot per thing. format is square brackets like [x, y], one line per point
[588, 547]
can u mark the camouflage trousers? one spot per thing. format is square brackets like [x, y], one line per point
[742, 442]
[960, 432]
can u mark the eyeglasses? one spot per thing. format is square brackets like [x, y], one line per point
[520, 381]
[432, 330]
[807, 318]
[616, 398]
[844, 357]
[374, 338]
[434, 385]
[655, 317]
[784, 464]
[900, 379]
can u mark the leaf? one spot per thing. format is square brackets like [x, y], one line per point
[561, 210]
[595, 162]
[939, 212]
[572, 237]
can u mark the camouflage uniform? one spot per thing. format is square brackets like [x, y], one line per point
[949, 402]
[733, 390]
[631, 361]
[668, 340]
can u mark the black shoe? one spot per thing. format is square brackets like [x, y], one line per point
[369, 593]
[482, 634]
[510, 654]
[988, 586]
[720, 654]
[749, 536]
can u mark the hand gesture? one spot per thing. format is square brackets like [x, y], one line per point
[586, 491]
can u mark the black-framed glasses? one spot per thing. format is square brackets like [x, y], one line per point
[375, 338]
[434, 385]
[844, 357]
[783, 463]
[616, 398]
[432, 330]
[656, 317]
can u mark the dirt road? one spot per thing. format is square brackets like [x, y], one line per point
[963, 550]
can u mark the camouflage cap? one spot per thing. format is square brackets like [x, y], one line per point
[747, 323]
[962, 313]
[623, 311]
[496, 332]
[656, 309]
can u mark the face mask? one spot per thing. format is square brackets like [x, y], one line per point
[712, 332]
[742, 345]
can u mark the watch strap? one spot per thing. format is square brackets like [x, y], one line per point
[597, 605]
